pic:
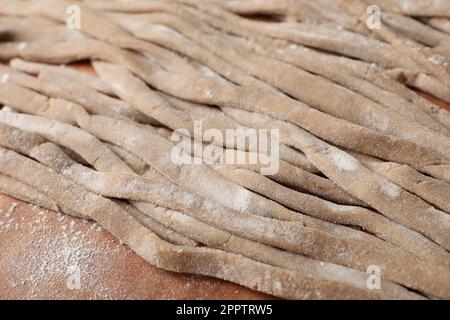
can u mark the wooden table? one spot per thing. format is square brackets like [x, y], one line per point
[43, 255]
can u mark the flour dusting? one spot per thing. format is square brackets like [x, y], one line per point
[343, 161]
[22, 45]
[390, 189]
[5, 78]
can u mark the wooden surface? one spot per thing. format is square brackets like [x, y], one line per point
[43, 253]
